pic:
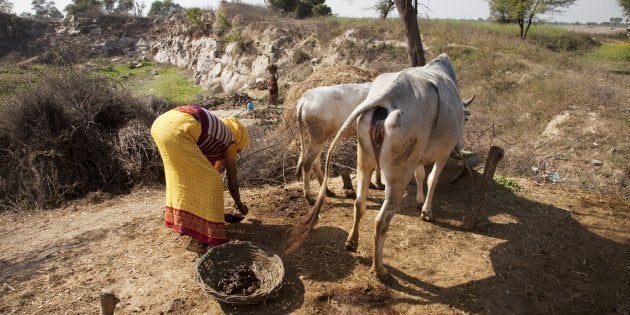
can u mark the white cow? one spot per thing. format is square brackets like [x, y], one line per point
[320, 113]
[409, 119]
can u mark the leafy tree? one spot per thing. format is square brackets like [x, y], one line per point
[164, 8]
[46, 9]
[384, 7]
[625, 5]
[118, 6]
[83, 6]
[321, 10]
[524, 11]
[6, 7]
[301, 8]
[125, 6]
[500, 11]
[408, 12]
[283, 5]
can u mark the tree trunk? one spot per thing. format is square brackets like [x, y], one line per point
[529, 23]
[408, 14]
[477, 214]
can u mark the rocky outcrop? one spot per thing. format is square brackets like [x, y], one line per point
[224, 54]
[20, 35]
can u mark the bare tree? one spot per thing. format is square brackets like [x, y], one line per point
[383, 7]
[138, 8]
[408, 12]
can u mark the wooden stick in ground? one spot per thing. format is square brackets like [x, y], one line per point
[473, 217]
[108, 302]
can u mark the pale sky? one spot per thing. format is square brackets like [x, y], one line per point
[582, 11]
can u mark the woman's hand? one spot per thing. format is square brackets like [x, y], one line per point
[241, 207]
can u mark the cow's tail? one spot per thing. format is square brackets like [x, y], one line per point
[299, 233]
[302, 137]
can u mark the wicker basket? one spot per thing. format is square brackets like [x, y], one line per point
[264, 263]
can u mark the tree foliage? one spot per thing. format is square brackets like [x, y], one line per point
[78, 7]
[164, 8]
[118, 6]
[625, 5]
[6, 6]
[524, 12]
[46, 10]
[301, 8]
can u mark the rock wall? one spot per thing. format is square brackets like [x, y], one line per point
[18, 35]
[224, 56]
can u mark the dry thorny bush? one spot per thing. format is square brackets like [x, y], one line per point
[71, 134]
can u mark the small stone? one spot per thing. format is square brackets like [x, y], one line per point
[596, 162]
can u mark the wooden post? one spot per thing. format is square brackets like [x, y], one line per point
[473, 217]
[108, 302]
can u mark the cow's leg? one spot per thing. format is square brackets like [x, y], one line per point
[379, 183]
[317, 168]
[348, 190]
[419, 174]
[394, 192]
[364, 174]
[432, 180]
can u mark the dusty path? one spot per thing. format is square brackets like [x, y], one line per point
[545, 249]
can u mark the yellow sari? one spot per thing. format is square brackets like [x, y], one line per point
[194, 189]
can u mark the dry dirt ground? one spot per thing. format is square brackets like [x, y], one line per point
[544, 249]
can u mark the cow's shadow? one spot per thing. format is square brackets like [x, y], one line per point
[548, 263]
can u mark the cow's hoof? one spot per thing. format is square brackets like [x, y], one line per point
[382, 274]
[310, 200]
[351, 246]
[426, 217]
[331, 194]
[350, 193]
[377, 186]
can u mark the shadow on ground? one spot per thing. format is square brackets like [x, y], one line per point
[549, 262]
[322, 258]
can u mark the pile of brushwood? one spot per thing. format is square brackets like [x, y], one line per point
[71, 134]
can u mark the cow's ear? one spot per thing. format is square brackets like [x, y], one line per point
[469, 101]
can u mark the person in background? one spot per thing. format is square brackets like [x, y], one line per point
[273, 84]
[196, 148]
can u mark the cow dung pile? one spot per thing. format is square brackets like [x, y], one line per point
[240, 280]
